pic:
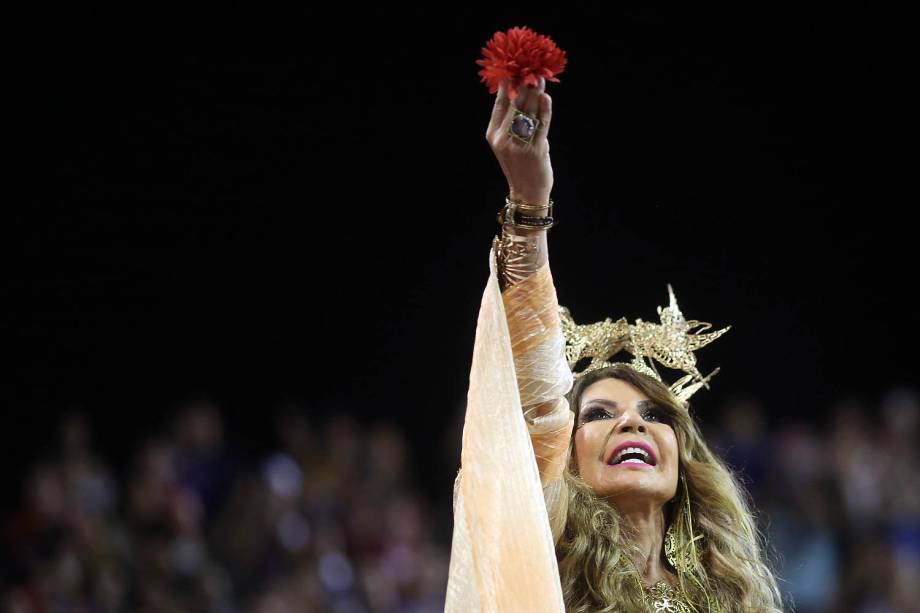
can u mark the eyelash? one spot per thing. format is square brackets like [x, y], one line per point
[658, 415]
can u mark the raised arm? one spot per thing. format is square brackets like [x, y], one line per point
[528, 293]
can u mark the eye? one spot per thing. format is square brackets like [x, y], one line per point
[595, 413]
[656, 414]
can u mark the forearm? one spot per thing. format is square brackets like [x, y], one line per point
[537, 344]
[543, 375]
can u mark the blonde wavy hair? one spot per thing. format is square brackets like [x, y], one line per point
[594, 551]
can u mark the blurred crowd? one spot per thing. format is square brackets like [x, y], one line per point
[327, 521]
[839, 501]
[332, 519]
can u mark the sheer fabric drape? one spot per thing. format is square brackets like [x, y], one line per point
[509, 497]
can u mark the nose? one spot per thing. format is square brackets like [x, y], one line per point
[630, 421]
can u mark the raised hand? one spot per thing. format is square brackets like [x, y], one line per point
[526, 166]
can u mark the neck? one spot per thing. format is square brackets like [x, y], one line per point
[647, 527]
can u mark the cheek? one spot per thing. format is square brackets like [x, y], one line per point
[668, 444]
[588, 446]
[580, 445]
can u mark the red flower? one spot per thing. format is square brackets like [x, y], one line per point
[521, 55]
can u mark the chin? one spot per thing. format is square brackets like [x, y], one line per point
[631, 487]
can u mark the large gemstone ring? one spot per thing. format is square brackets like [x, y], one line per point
[523, 126]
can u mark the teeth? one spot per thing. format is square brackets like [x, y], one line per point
[626, 450]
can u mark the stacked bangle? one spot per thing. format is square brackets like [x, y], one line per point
[514, 214]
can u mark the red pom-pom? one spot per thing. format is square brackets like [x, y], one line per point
[522, 56]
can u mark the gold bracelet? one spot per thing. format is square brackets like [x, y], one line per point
[520, 206]
[510, 215]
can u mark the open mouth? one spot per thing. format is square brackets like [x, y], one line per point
[632, 456]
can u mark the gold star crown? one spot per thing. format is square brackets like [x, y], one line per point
[670, 343]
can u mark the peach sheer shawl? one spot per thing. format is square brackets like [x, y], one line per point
[509, 497]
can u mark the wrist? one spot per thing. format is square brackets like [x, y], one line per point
[526, 216]
[532, 198]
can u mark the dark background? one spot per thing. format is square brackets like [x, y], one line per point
[285, 207]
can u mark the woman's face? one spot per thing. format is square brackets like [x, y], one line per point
[612, 416]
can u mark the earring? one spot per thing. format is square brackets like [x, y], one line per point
[688, 558]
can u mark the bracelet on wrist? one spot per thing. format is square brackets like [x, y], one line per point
[514, 214]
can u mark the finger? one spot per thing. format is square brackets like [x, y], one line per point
[500, 109]
[505, 124]
[546, 114]
[531, 102]
[511, 109]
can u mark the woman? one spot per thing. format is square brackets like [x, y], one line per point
[605, 496]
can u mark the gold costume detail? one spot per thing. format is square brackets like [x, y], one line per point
[662, 598]
[671, 343]
[686, 560]
[517, 257]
